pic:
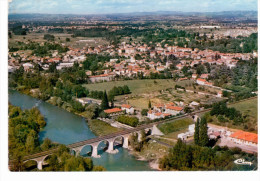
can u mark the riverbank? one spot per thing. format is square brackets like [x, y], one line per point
[151, 152]
[101, 128]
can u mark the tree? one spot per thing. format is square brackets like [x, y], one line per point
[149, 104]
[46, 144]
[104, 104]
[203, 133]
[30, 141]
[197, 132]
[187, 109]
[67, 39]
[144, 112]
[48, 37]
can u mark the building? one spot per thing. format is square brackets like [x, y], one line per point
[101, 78]
[244, 138]
[114, 112]
[173, 110]
[201, 81]
[64, 65]
[128, 108]
[220, 94]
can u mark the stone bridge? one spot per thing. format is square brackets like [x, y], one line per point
[119, 138]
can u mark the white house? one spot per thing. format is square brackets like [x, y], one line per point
[201, 81]
[64, 65]
[173, 110]
[219, 94]
[244, 138]
[128, 108]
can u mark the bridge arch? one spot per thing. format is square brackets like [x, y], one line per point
[30, 164]
[86, 150]
[118, 142]
[102, 146]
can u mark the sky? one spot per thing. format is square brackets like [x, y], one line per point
[127, 6]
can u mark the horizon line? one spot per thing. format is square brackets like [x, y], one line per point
[134, 12]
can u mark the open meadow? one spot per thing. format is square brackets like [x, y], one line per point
[137, 86]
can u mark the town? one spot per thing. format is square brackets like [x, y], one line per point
[196, 82]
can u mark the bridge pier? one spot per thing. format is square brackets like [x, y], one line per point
[95, 151]
[39, 165]
[125, 144]
[111, 146]
[139, 136]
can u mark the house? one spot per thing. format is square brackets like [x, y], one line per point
[194, 76]
[220, 94]
[159, 107]
[101, 78]
[204, 76]
[27, 66]
[182, 136]
[128, 108]
[64, 65]
[11, 69]
[114, 112]
[194, 104]
[201, 81]
[173, 110]
[244, 138]
[156, 115]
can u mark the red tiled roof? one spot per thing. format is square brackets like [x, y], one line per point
[203, 80]
[166, 114]
[126, 106]
[103, 75]
[158, 114]
[114, 110]
[175, 108]
[246, 136]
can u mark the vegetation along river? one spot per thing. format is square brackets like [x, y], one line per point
[66, 128]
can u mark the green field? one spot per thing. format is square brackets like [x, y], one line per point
[175, 126]
[248, 107]
[101, 128]
[136, 86]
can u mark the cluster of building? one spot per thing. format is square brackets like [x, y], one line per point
[247, 141]
[130, 66]
[164, 110]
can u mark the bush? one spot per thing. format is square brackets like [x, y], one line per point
[131, 121]
[144, 112]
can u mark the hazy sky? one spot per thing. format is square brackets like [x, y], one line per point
[121, 6]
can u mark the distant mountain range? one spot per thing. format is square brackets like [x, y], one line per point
[222, 14]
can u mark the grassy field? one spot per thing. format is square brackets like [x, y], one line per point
[59, 37]
[101, 128]
[175, 126]
[136, 86]
[248, 107]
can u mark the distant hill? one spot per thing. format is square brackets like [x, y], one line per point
[222, 14]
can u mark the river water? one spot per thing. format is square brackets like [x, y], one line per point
[66, 128]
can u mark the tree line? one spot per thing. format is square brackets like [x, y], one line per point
[193, 157]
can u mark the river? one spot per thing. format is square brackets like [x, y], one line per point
[66, 128]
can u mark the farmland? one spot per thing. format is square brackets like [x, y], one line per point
[137, 86]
